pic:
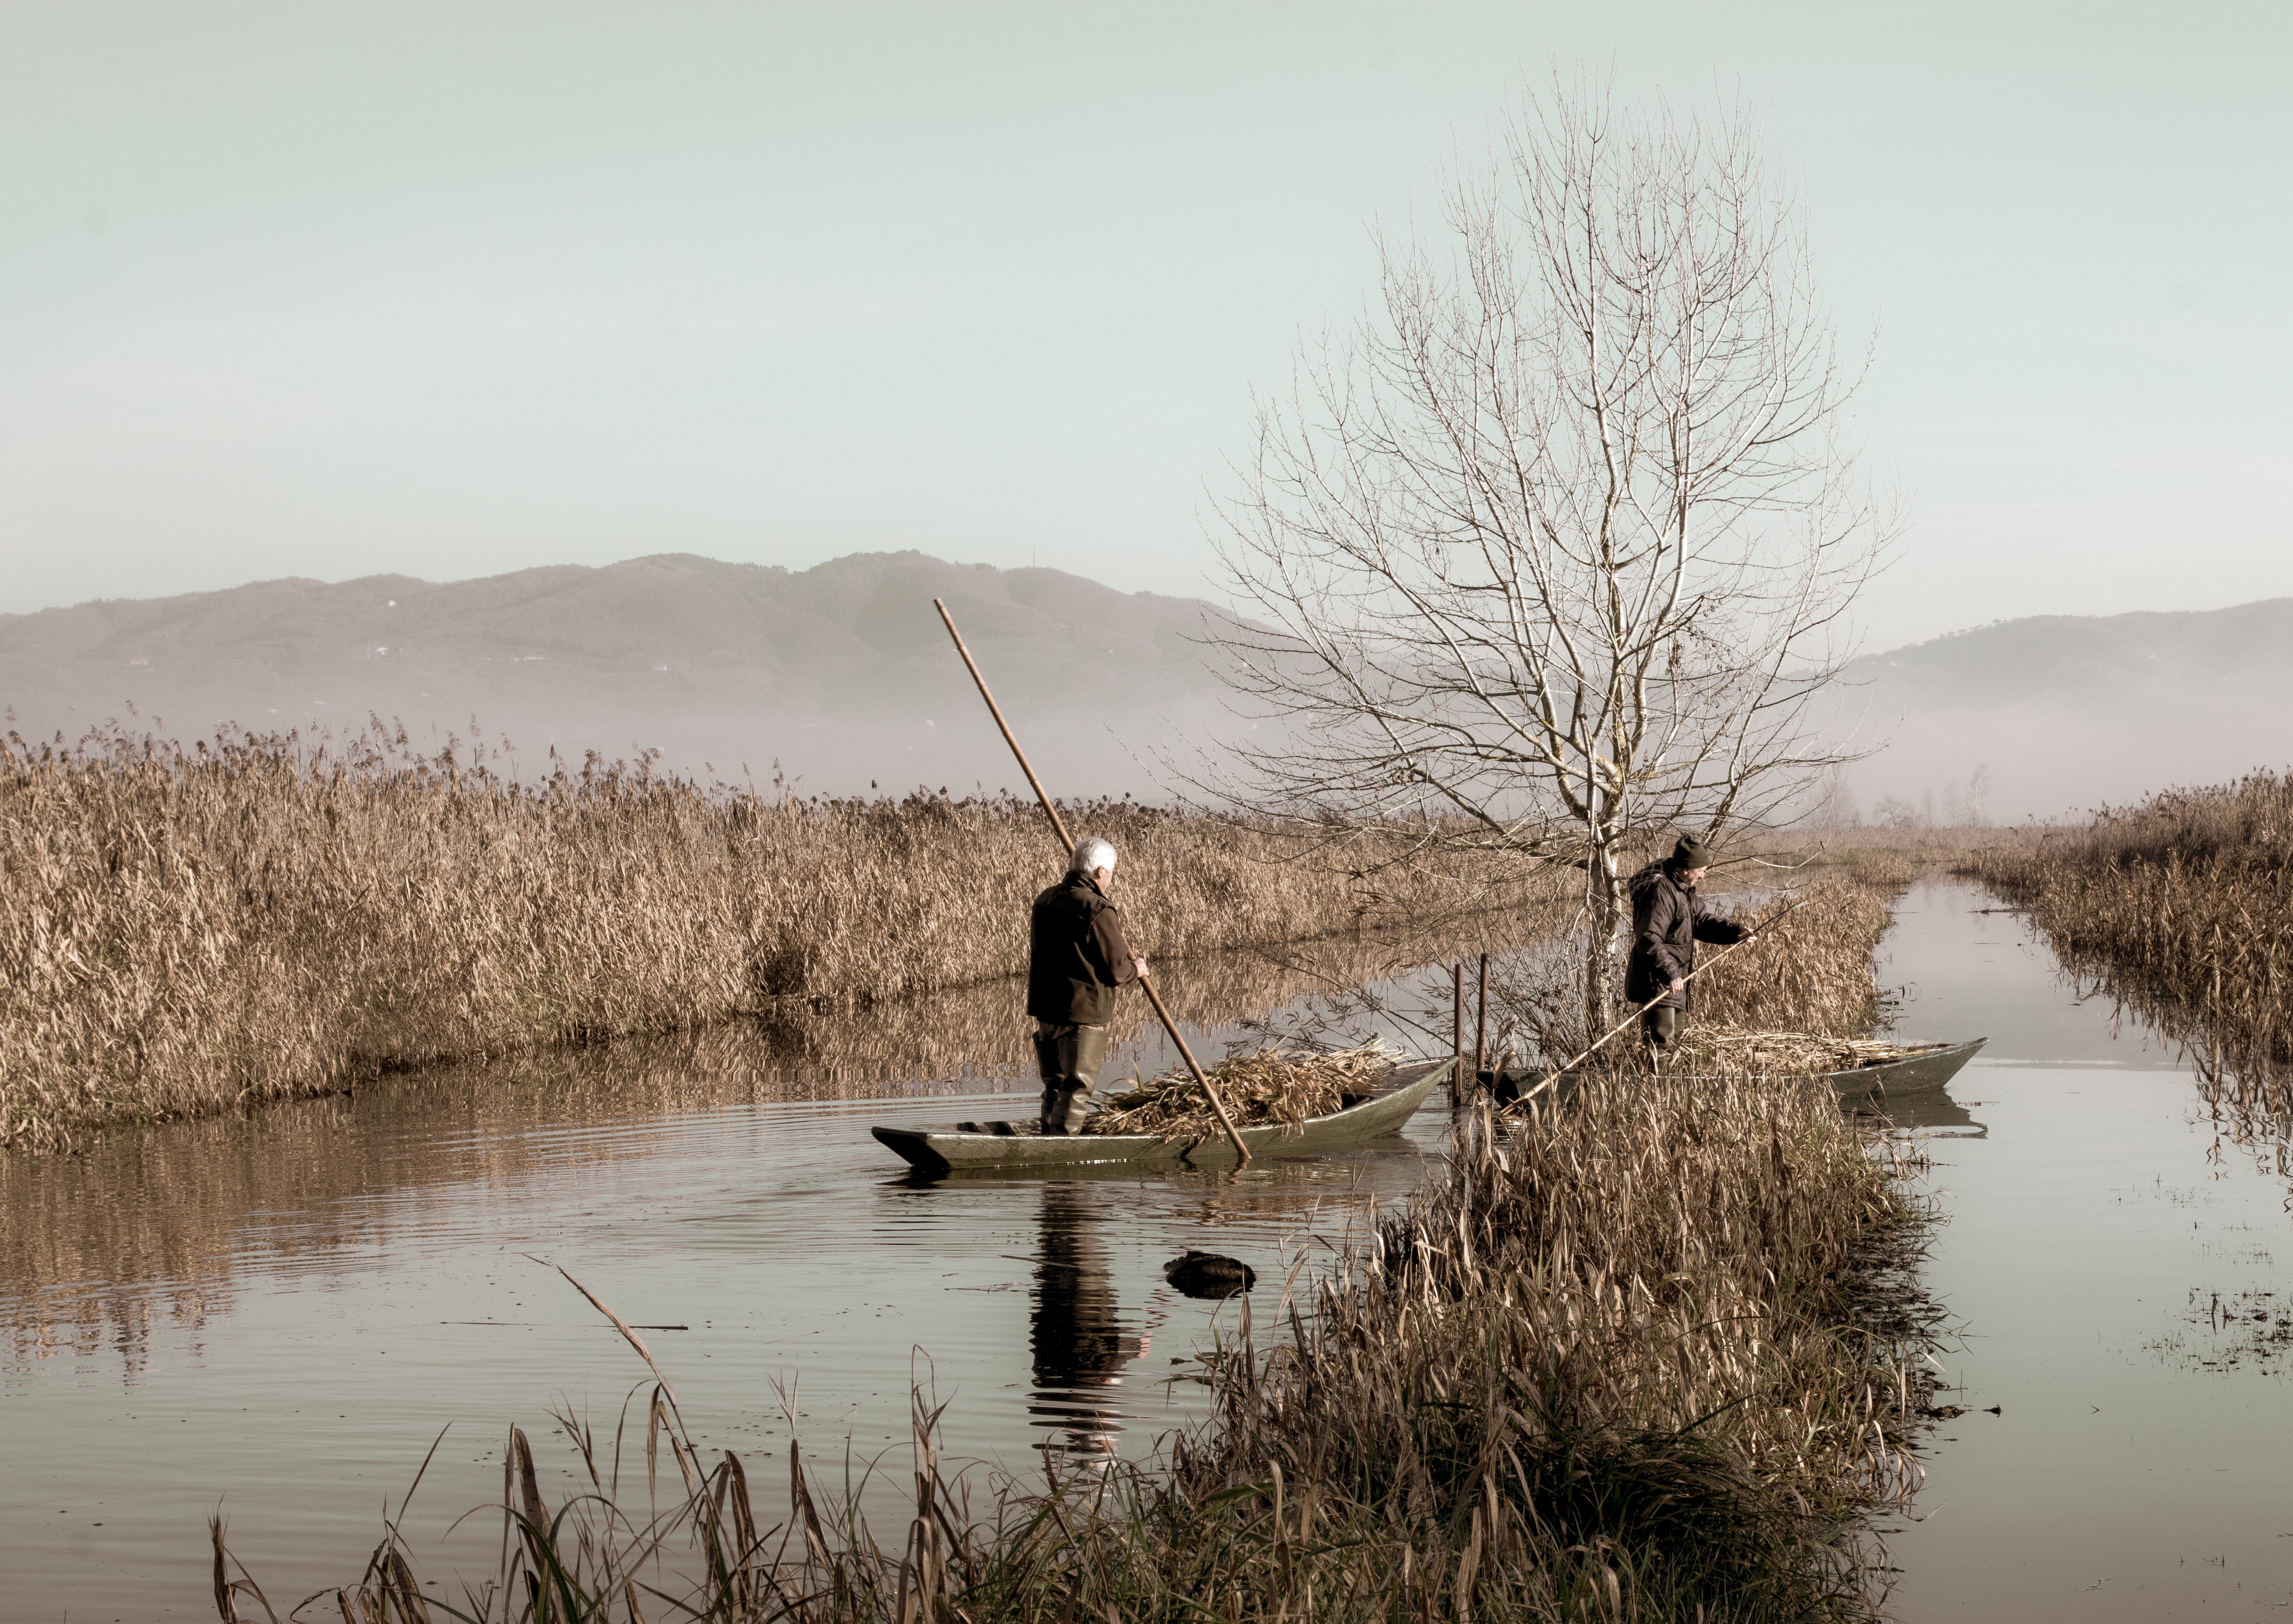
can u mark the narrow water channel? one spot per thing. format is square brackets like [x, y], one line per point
[2118, 1272]
[275, 1315]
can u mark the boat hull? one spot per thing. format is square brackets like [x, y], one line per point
[937, 1152]
[1865, 1087]
[1869, 1086]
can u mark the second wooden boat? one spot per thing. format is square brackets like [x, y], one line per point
[1920, 1068]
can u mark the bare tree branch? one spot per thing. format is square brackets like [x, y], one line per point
[1550, 553]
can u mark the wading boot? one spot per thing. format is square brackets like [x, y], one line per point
[1073, 1111]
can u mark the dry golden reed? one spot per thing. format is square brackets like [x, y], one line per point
[2183, 907]
[1641, 1357]
[1270, 1085]
[1810, 972]
[262, 917]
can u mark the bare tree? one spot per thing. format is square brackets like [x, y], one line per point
[1547, 554]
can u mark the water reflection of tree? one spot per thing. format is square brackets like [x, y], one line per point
[1074, 1331]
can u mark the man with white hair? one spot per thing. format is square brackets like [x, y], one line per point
[1076, 958]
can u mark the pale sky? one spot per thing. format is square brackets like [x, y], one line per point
[455, 289]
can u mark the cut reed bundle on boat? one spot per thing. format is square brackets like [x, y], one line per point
[1729, 1050]
[1271, 1085]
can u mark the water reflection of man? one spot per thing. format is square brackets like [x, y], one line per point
[1074, 1331]
[1667, 922]
[1076, 958]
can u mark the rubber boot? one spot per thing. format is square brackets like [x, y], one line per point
[1053, 1073]
[1074, 1110]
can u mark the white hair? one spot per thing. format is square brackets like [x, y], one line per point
[1091, 854]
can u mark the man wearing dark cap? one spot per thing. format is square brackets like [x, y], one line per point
[1667, 922]
[1076, 957]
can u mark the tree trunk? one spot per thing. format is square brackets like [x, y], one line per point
[1604, 901]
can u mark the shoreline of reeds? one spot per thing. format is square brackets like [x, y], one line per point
[1652, 1355]
[266, 918]
[2181, 906]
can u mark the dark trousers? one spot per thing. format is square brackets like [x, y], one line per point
[1068, 1056]
[1661, 1027]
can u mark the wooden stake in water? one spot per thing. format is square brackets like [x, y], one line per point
[1066, 850]
[1457, 1007]
[1481, 1026]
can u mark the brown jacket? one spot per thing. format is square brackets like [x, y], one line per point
[1667, 922]
[1076, 954]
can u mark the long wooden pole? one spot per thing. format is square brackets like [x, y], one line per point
[1067, 850]
[1554, 1076]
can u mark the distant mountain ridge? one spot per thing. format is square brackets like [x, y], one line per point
[842, 671]
[2066, 657]
[2072, 712]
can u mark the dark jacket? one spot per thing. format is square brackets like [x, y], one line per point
[1667, 922]
[1076, 954]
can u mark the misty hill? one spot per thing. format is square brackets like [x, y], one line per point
[2070, 712]
[843, 674]
[842, 671]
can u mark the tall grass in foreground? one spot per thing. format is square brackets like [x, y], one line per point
[2183, 907]
[1644, 1356]
[263, 918]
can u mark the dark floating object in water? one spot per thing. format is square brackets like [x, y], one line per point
[1206, 1274]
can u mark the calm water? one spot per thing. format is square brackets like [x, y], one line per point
[2120, 1277]
[277, 1315]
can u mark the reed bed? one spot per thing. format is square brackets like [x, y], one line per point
[1646, 1356]
[1812, 973]
[2183, 908]
[259, 918]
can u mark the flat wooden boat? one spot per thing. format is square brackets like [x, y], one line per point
[1017, 1147]
[1924, 1069]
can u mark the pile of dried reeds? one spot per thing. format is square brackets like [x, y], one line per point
[1710, 1050]
[263, 918]
[1273, 1085]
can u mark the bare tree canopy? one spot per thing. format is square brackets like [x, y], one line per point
[1550, 553]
